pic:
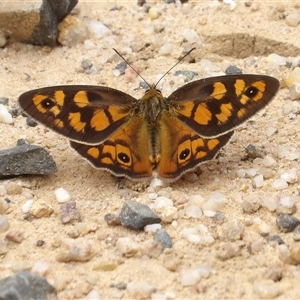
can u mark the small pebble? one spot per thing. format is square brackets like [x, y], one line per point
[62, 195]
[290, 176]
[93, 295]
[286, 205]
[276, 59]
[293, 77]
[141, 290]
[169, 214]
[192, 277]
[254, 152]
[3, 246]
[163, 238]
[153, 13]
[251, 205]
[257, 245]
[13, 188]
[189, 278]
[258, 181]
[228, 251]
[215, 202]
[3, 39]
[98, 29]
[71, 31]
[270, 203]
[292, 20]
[4, 100]
[31, 123]
[286, 223]
[5, 116]
[61, 282]
[262, 228]
[4, 223]
[156, 182]
[166, 49]
[191, 36]
[135, 215]
[231, 230]
[162, 202]
[86, 64]
[295, 252]
[276, 238]
[27, 206]
[269, 161]
[280, 184]
[294, 91]
[4, 205]
[15, 236]
[274, 273]
[112, 219]
[193, 211]
[41, 267]
[233, 70]
[152, 227]
[80, 250]
[41, 209]
[152, 196]
[69, 212]
[120, 69]
[167, 295]
[127, 246]
[266, 289]
[296, 234]
[40, 243]
[189, 75]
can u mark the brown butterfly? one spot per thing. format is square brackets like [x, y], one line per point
[135, 138]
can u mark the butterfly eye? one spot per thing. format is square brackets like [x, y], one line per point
[47, 103]
[123, 157]
[184, 154]
[158, 91]
[251, 91]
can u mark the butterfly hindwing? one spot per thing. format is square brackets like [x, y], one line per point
[87, 114]
[216, 105]
[183, 150]
[125, 153]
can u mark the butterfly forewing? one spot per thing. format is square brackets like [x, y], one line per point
[216, 105]
[87, 114]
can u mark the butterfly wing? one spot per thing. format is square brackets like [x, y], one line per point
[87, 114]
[182, 150]
[125, 153]
[216, 105]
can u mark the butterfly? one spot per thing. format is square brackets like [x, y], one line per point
[155, 135]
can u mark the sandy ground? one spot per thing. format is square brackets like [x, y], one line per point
[226, 37]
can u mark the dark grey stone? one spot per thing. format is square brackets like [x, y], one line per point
[30, 122]
[189, 75]
[287, 223]
[276, 238]
[26, 286]
[254, 152]
[121, 67]
[39, 19]
[163, 238]
[135, 215]
[233, 70]
[26, 159]
[4, 100]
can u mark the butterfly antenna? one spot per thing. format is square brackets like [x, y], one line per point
[180, 60]
[132, 67]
